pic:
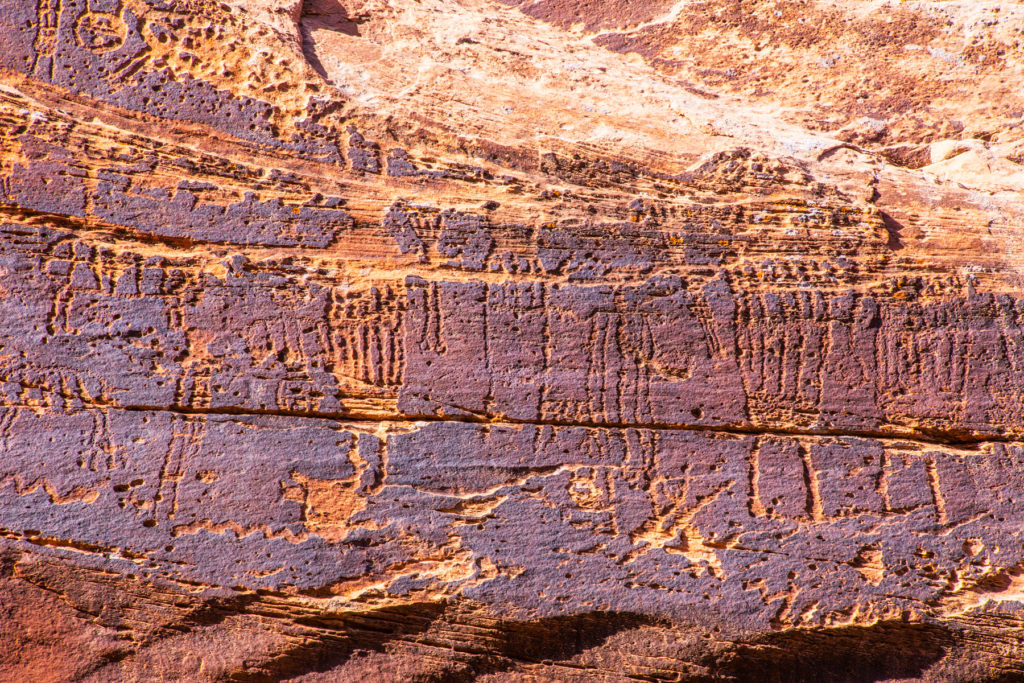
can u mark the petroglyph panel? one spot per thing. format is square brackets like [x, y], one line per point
[560, 340]
[684, 519]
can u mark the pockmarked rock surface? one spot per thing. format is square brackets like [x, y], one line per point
[558, 340]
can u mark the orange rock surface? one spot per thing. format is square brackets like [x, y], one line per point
[501, 340]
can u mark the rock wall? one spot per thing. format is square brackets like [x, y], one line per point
[477, 340]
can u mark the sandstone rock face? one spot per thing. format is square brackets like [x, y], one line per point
[499, 340]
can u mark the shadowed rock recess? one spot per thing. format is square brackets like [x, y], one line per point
[507, 340]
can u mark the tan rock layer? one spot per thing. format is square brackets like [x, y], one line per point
[434, 341]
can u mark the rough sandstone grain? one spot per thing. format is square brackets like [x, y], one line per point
[486, 340]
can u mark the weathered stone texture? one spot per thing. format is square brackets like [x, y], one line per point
[510, 341]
